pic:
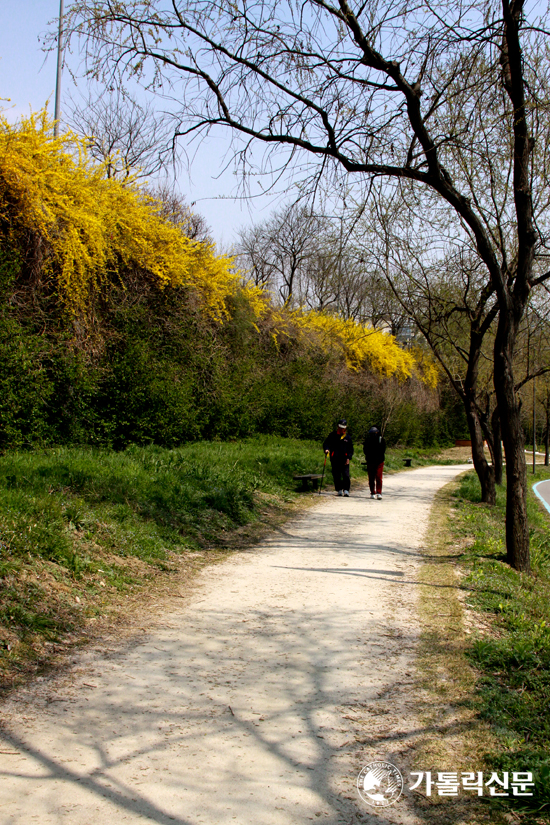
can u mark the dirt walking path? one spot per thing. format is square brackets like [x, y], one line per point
[246, 705]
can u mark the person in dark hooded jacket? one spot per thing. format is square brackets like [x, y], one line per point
[374, 447]
[338, 445]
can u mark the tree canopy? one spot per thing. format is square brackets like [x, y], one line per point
[451, 98]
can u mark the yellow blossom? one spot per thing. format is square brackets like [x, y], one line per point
[94, 227]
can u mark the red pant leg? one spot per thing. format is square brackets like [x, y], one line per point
[379, 471]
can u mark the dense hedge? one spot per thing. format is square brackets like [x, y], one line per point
[159, 371]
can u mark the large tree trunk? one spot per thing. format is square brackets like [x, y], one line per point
[497, 447]
[517, 529]
[485, 472]
[513, 293]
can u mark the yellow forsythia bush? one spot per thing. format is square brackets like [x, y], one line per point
[361, 346]
[93, 226]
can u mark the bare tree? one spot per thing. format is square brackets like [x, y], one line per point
[317, 259]
[533, 365]
[278, 252]
[129, 138]
[456, 311]
[320, 282]
[253, 251]
[450, 97]
[174, 208]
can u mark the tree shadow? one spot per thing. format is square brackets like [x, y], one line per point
[241, 717]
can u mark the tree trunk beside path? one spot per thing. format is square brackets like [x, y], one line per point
[247, 703]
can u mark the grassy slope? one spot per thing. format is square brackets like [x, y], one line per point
[84, 531]
[81, 529]
[510, 643]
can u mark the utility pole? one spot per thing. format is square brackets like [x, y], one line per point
[534, 425]
[340, 252]
[57, 112]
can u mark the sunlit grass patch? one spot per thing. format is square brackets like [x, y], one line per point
[80, 528]
[512, 654]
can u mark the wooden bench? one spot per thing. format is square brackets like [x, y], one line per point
[313, 477]
[406, 462]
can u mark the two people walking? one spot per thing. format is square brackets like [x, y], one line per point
[338, 445]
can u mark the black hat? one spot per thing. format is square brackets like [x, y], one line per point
[343, 424]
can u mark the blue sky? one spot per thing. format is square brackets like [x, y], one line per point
[27, 77]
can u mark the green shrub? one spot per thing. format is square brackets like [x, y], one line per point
[157, 371]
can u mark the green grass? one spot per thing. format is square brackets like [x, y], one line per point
[512, 652]
[420, 457]
[150, 497]
[79, 526]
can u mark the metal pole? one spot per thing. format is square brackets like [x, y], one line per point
[534, 425]
[340, 265]
[57, 112]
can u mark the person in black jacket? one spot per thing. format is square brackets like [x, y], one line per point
[339, 447]
[374, 447]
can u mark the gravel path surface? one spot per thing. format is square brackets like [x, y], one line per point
[249, 704]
